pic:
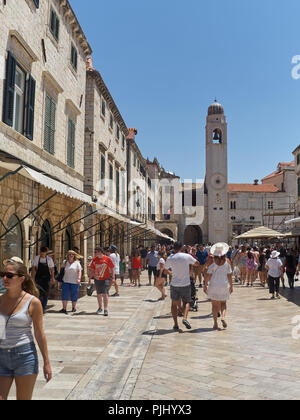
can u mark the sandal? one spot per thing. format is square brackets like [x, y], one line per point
[187, 324]
[224, 323]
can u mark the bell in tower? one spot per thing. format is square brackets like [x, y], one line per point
[217, 136]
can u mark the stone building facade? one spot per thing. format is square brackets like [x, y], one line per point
[42, 103]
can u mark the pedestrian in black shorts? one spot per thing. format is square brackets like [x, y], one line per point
[152, 260]
[180, 264]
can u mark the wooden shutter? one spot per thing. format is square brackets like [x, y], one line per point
[9, 90]
[50, 110]
[118, 186]
[71, 144]
[30, 108]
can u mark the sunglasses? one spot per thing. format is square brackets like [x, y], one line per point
[9, 275]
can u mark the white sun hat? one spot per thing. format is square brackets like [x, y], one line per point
[220, 249]
[275, 254]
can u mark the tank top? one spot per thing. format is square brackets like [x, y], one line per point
[18, 329]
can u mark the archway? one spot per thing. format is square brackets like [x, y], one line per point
[168, 232]
[46, 237]
[193, 235]
[68, 238]
[14, 239]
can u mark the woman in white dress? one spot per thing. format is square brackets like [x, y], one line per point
[219, 277]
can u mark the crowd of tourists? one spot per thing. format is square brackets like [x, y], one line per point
[212, 268]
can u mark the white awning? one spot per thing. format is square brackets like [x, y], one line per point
[112, 213]
[296, 220]
[46, 181]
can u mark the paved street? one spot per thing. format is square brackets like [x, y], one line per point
[135, 354]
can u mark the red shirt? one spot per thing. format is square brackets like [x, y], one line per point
[102, 267]
[136, 263]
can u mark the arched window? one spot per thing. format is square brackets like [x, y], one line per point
[68, 238]
[217, 136]
[14, 239]
[46, 235]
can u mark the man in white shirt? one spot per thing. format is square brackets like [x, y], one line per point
[180, 264]
[116, 260]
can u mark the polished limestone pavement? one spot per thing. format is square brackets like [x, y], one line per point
[134, 354]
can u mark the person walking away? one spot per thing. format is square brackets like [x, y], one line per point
[262, 266]
[43, 274]
[71, 280]
[19, 309]
[130, 272]
[219, 278]
[102, 270]
[201, 255]
[234, 266]
[251, 267]
[161, 275]
[282, 259]
[136, 268]
[152, 261]
[144, 253]
[180, 263]
[242, 264]
[290, 266]
[122, 268]
[116, 260]
[275, 269]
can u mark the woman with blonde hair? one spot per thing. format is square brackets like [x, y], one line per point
[20, 307]
[71, 280]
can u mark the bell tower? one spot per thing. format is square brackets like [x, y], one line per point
[217, 174]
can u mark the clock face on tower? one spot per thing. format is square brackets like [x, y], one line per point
[218, 181]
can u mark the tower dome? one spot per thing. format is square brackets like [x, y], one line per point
[215, 109]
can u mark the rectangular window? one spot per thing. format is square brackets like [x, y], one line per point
[74, 57]
[103, 108]
[111, 181]
[49, 135]
[270, 205]
[118, 132]
[54, 24]
[123, 189]
[18, 106]
[232, 205]
[71, 144]
[111, 121]
[118, 186]
[298, 159]
[123, 141]
[298, 187]
[102, 173]
[19, 100]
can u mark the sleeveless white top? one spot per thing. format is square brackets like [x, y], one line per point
[18, 330]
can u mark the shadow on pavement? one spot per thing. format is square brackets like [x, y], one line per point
[200, 330]
[162, 317]
[201, 316]
[291, 295]
[161, 332]
[152, 300]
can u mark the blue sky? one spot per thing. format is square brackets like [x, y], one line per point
[165, 61]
